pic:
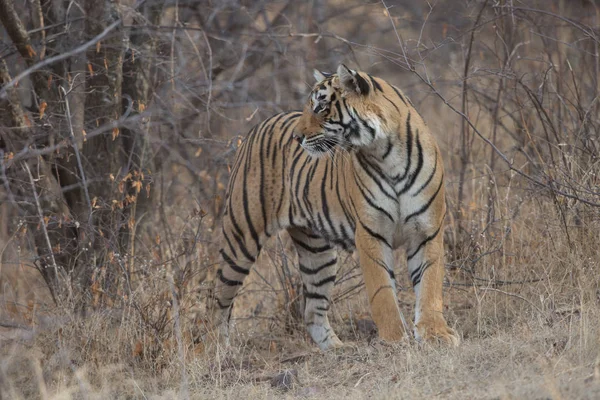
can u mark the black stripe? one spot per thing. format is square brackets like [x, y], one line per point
[233, 265]
[347, 213]
[239, 241]
[270, 131]
[245, 203]
[415, 174]
[399, 95]
[330, 160]
[366, 125]
[360, 185]
[426, 205]
[363, 85]
[229, 244]
[382, 265]
[261, 164]
[424, 185]
[417, 274]
[408, 150]
[226, 281]
[283, 186]
[424, 242]
[311, 295]
[285, 130]
[324, 202]
[388, 149]
[321, 308]
[379, 290]
[221, 306]
[314, 271]
[375, 84]
[307, 186]
[297, 198]
[371, 170]
[329, 279]
[375, 234]
[394, 104]
[338, 107]
[311, 249]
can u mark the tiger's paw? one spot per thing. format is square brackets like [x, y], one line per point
[332, 342]
[434, 330]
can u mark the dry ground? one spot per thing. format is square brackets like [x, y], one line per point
[527, 360]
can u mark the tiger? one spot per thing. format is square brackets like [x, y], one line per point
[357, 169]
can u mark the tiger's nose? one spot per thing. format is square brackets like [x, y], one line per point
[298, 137]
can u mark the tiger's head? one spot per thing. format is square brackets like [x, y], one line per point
[342, 111]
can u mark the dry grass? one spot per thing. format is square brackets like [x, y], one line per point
[527, 360]
[522, 340]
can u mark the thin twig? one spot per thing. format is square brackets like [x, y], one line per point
[14, 325]
[513, 295]
[60, 57]
[42, 222]
[78, 156]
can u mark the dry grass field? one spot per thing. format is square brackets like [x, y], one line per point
[509, 88]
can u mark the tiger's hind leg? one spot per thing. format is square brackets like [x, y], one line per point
[238, 258]
[426, 268]
[318, 268]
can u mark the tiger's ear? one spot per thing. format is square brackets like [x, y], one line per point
[351, 81]
[319, 76]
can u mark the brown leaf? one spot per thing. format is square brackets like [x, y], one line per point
[115, 133]
[90, 69]
[98, 45]
[30, 51]
[137, 185]
[43, 107]
[50, 81]
[138, 349]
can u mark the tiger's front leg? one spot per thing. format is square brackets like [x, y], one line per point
[426, 268]
[376, 261]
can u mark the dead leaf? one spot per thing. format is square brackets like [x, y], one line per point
[30, 51]
[137, 185]
[43, 108]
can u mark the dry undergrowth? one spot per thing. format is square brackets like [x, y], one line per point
[526, 360]
[537, 338]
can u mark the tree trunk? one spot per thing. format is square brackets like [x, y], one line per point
[100, 208]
